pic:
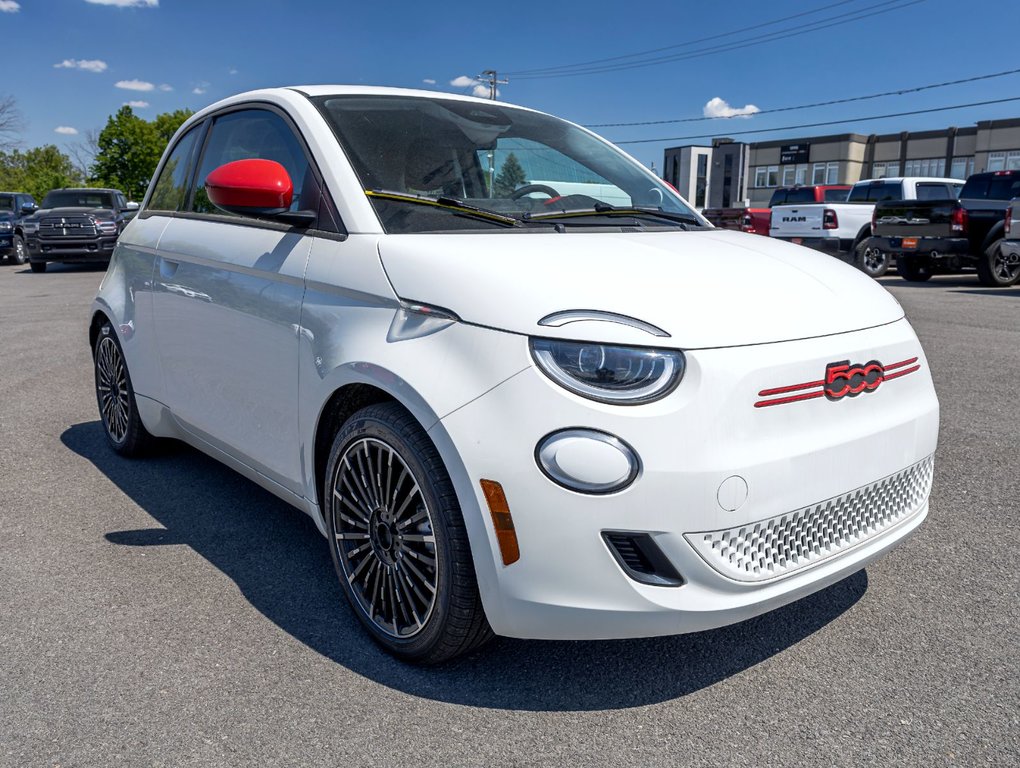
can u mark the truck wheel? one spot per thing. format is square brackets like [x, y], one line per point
[37, 266]
[20, 254]
[870, 260]
[912, 270]
[995, 270]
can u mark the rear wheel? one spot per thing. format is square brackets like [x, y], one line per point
[118, 409]
[398, 540]
[871, 260]
[37, 266]
[20, 254]
[912, 269]
[996, 269]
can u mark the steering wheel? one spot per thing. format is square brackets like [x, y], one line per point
[527, 189]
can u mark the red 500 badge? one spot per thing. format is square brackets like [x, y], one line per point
[846, 379]
[842, 379]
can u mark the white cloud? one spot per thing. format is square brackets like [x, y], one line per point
[719, 108]
[165, 88]
[127, 3]
[66, 130]
[198, 90]
[136, 104]
[89, 65]
[482, 91]
[429, 81]
[463, 81]
[9, 6]
[134, 85]
[231, 71]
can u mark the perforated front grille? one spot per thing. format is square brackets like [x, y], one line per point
[782, 545]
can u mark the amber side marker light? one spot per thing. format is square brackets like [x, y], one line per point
[501, 521]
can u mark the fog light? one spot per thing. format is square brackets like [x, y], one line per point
[587, 461]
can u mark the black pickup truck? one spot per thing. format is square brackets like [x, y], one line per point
[14, 208]
[928, 237]
[76, 226]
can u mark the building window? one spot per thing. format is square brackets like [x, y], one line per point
[962, 167]
[878, 170]
[832, 173]
[801, 174]
[931, 166]
[701, 183]
[1004, 161]
[773, 179]
[760, 176]
[818, 173]
[789, 175]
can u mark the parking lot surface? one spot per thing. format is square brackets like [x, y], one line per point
[169, 612]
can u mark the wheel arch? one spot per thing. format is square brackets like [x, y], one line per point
[863, 235]
[99, 316]
[997, 232]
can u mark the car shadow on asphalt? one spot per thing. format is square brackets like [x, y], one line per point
[281, 564]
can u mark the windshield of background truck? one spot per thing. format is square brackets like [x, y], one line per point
[70, 199]
[6, 202]
[991, 188]
[876, 193]
[487, 155]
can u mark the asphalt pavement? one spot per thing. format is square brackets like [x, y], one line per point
[168, 612]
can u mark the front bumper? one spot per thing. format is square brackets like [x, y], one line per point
[568, 585]
[72, 251]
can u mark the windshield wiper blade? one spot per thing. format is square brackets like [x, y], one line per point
[446, 203]
[604, 209]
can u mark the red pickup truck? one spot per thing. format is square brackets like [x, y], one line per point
[758, 220]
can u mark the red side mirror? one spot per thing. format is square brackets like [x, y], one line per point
[250, 187]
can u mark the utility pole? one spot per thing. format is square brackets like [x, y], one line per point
[493, 78]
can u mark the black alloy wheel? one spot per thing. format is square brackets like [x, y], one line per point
[115, 396]
[996, 269]
[871, 260]
[398, 540]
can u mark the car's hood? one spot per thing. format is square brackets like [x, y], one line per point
[74, 211]
[704, 288]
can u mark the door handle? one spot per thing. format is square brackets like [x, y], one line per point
[167, 268]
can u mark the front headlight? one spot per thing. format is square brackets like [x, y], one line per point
[610, 374]
[6, 226]
[30, 227]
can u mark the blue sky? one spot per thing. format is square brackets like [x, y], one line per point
[72, 63]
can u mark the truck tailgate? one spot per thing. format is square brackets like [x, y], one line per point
[797, 221]
[915, 218]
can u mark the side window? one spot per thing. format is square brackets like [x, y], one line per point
[255, 133]
[171, 187]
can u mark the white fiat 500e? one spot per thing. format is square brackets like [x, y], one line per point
[519, 384]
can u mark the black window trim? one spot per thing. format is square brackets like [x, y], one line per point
[195, 163]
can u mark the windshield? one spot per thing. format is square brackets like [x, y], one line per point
[876, 192]
[6, 202]
[499, 159]
[69, 198]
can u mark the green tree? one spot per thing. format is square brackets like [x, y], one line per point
[37, 171]
[129, 148]
[510, 176]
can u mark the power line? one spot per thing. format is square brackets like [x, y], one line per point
[681, 45]
[827, 122]
[901, 92]
[858, 15]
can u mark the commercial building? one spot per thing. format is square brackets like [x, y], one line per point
[730, 173]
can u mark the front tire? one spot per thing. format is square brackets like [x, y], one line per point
[20, 253]
[115, 396]
[398, 539]
[912, 270]
[994, 270]
[871, 260]
[37, 266]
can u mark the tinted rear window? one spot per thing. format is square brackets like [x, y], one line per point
[874, 193]
[991, 188]
[836, 195]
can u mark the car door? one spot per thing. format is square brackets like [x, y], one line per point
[227, 305]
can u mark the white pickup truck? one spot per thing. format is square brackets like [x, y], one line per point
[843, 228]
